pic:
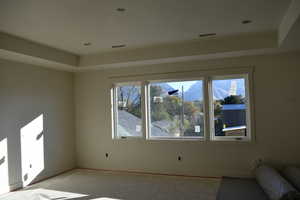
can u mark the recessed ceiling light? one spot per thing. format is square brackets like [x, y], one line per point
[87, 44]
[207, 34]
[246, 21]
[118, 46]
[120, 9]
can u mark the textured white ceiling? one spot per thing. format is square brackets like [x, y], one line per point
[67, 24]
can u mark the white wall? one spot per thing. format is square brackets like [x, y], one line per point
[277, 97]
[27, 92]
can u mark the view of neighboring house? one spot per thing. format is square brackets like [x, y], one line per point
[130, 125]
[233, 123]
[233, 117]
[179, 113]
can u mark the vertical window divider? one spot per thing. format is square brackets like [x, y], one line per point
[145, 109]
[249, 121]
[207, 108]
[115, 113]
[112, 110]
[211, 109]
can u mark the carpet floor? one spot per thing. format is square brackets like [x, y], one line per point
[240, 189]
[101, 185]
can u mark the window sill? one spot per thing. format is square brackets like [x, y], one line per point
[201, 139]
[232, 139]
[129, 138]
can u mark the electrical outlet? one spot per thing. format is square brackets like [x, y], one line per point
[257, 162]
[179, 158]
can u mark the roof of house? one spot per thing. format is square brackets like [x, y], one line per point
[127, 125]
[234, 128]
[234, 107]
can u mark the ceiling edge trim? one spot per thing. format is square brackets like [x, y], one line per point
[39, 62]
[19, 45]
[252, 52]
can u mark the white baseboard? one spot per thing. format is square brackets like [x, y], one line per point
[16, 186]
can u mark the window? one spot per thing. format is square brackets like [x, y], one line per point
[176, 109]
[128, 118]
[207, 108]
[230, 104]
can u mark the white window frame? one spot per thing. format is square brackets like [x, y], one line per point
[148, 133]
[206, 76]
[213, 137]
[115, 110]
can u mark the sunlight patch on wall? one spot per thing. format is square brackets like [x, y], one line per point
[4, 179]
[32, 150]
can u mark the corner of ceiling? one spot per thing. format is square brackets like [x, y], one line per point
[21, 50]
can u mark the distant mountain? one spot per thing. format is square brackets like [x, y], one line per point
[220, 93]
[194, 92]
[221, 90]
[164, 86]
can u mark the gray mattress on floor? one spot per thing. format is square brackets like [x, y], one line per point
[240, 189]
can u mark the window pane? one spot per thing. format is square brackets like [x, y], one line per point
[176, 109]
[230, 107]
[129, 121]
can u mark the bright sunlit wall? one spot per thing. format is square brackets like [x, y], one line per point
[26, 93]
[4, 177]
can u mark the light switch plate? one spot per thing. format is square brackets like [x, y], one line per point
[197, 129]
[138, 128]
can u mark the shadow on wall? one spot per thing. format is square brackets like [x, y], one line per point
[30, 151]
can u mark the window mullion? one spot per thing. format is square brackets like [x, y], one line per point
[249, 121]
[207, 108]
[144, 103]
[115, 108]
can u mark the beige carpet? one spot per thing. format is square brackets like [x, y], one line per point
[98, 185]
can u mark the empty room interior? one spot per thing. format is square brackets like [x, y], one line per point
[150, 99]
